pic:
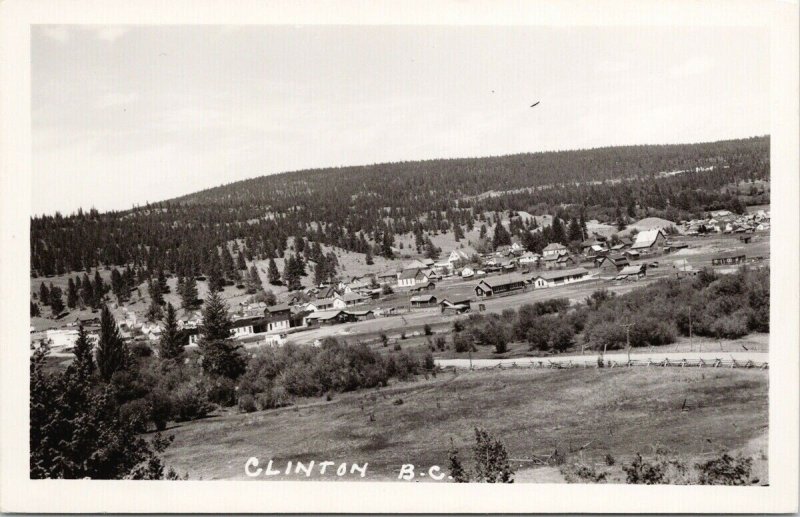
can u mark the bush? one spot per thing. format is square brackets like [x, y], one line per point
[462, 342]
[137, 413]
[273, 398]
[427, 330]
[725, 470]
[221, 391]
[583, 473]
[160, 408]
[140, 349]
[246, 403]
[732, 326]
[189, 402]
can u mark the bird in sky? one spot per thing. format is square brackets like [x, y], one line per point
[535, 104]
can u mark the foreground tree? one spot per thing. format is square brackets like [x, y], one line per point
[491, 459]
[77, 431]
[221, 357]
[172, 342]
[111, 350]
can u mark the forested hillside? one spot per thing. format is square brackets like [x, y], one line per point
[362, 208]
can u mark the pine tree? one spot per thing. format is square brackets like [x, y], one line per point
[575, 232]
[111, 349]
[44, 294]
[163, 286]
[99, 289]
[386, 245]
[35, 312]
[457, 472]
[491, 459]
[557, 230]
[216, 282]
[220, 355]
[56, 303]
[172, 342]
[189, 294]
[72, 294]
[253, 281]
[501, 236]
[431, 251]
[84, 359]
[241, 263]
[273, 274]
[367, 257]
[87, 293]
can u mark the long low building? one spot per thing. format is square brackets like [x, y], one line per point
[559, 277]
[500, 284]
[337, 316]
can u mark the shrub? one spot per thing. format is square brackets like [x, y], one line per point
[137, 413]
[246, 403]
[222, 391]
[189, 403]
[661, 470]
[583, 473]
[427, 330]
[160, 408]
[440, 343]
[732, 326]
[140, 349]
[725, 470]
[462, 342]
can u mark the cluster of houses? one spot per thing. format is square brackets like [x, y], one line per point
[724, 221]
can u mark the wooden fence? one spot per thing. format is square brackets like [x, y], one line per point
[674, 363]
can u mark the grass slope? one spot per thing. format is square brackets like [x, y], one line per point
[618, 412]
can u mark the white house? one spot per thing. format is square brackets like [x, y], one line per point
[467, 273]
[320, 305]
[458, 258]
[559, 277]
[349, 300]
[554, 249]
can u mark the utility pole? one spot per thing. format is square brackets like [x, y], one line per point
[628, 338]
[470, 356]
[691, 343]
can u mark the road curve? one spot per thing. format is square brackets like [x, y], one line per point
[618, 357]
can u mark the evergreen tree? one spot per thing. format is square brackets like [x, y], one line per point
[216, 282]
[163, 286]
[172, 342]
[44, 294]
[491, 459]
[431, 251]
[386, 245]
[367, 257]
[87, 293]
[557, 231]
[84, 357]
[221, 356]
[189, 294]
[457, 471]
[458, 233]
[273, 274]
[501, 236]
[574, 232]
[111, 349]
[99, 289]
[56, 303]
[241, 263]
[72, 294]
[35, 312]
[253, 281]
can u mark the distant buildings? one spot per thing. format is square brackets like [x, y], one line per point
[500, 284]
[649, 242]
[555, 278]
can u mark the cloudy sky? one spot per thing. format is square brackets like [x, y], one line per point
[126, 115]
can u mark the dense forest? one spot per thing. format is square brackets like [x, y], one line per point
[361, 209]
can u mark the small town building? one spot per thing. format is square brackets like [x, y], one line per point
[422, 301]
[729, 259]
[649, 242]
[342, 301]
[559, 277]
[611, 264]
[632, 272]
[554, 248]
[455, 305]
[500, 285]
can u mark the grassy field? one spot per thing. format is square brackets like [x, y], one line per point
[617, 412]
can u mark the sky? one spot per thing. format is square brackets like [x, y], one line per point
[124, 115]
